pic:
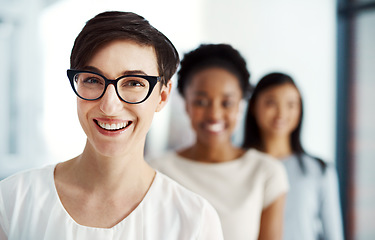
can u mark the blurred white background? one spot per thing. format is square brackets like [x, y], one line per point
[294, 36]
[38, 121]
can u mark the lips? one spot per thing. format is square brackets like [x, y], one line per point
[279, 123]
[111, 126]
[215, 127]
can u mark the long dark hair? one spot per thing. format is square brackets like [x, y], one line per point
[253, 139]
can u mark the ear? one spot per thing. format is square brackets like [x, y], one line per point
[164, 96]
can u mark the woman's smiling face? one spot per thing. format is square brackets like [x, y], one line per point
[112, 126]
[277, 110]
[212, 100]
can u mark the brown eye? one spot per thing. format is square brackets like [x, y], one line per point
[92, 80]
[227, 104]
[200, 102]
[133, 84]
[270, 103]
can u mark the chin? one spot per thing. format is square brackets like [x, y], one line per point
[215, 140]
[281, 133]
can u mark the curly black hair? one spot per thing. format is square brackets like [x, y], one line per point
[214, 55]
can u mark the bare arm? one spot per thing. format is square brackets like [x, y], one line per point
[271, 223]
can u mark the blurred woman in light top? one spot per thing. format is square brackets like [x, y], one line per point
[273, 126]
[246, 187]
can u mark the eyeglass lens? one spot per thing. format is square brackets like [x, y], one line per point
[91, 86]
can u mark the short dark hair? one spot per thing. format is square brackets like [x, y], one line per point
[214, 55]
[252, 136]
[113, 25]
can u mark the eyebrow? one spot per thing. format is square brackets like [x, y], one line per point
[203, 94]
[127, 72]
[200, 93]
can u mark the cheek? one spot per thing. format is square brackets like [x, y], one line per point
[263, 114]
[151, 105]
[295, 116]
[196, 114]
[144, 110]
[234, 114]
[193, 111]
[81, 109]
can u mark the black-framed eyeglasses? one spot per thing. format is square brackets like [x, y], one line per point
[131, 89]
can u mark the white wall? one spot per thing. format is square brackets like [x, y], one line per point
[21, 91]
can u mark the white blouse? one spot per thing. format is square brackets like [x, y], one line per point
[30, 208]
[239, 189]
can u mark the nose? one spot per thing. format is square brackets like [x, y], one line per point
[110, 103]
[281, 111]
[214, 112]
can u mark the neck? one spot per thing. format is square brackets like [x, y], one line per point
[277, 146]
[212, 154]
[96, 172]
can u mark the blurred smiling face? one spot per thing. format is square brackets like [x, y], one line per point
[114, 127]
[212, 100]
[278, 110]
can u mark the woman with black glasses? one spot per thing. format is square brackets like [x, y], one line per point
[120, 70]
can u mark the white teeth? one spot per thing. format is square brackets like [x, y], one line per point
[216, 127]
[112, 126]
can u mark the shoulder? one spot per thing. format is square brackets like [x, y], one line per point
[23, 180]
[174, 205]
[317, 166]
[179, 196]
[269, 172]
[25, 185]
[21, 190]
[259, 156]
[264, 162]
[182, 201]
